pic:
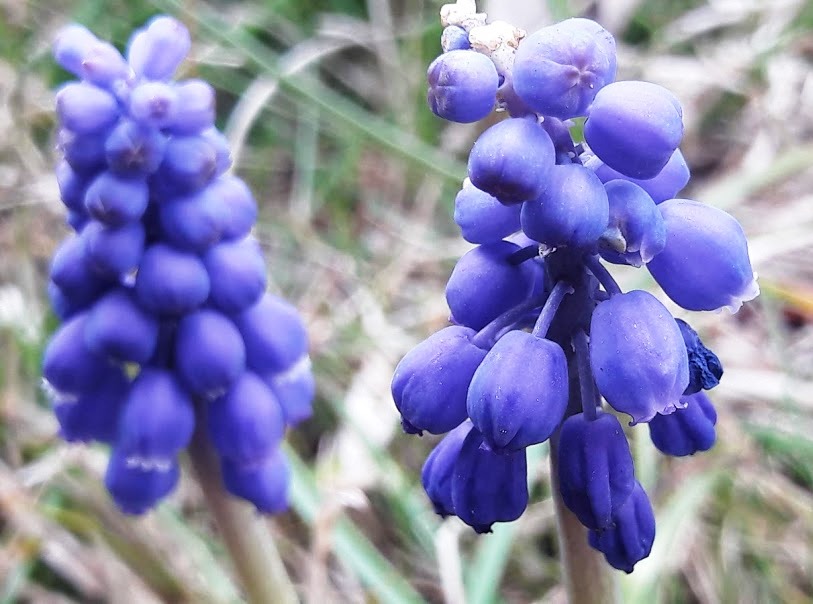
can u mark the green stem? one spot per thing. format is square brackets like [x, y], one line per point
[587, 577]
[245, 533]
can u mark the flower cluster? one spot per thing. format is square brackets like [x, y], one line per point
[542, 335]
[161, 289]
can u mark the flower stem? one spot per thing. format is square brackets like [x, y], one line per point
[560, 290]
[245, 533]
[601, 273]
[587, 577]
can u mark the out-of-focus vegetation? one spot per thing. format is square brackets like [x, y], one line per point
[323, 102]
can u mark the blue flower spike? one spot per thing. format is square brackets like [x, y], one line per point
[167, 326]
[542, 335]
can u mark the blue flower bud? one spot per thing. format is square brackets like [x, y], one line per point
[629, 540]
[171, 282]
[133, 150]
[68, 365]
[518, 394]
[113, 251]
[596, 475]
[195, 221]
[155, 51]
[634, 127]
[72, 187]
[572, 211]
[104, 66]
[484, 284]
[481, 217]
[72, 46]
[154, 104]
[222, 152]
[118, 328]
[93, 415]
[242, 208]
[430, 383]
[135, 486]
[209, 352]
[437, 474]
[115, 201]
[636, 232]
[83, 152]
[294, 389]
[705, 369]
[559, 69]
[488, 487]
[245, 424]
[84, 108]
[73, 273]
[190, 163]
[274, 334]
[462, 86]
[512, 160]
[237, 274]
[197, 100]
[158, 417]
[265, 484]
[666, 185]
[454, 38]
[705, 264]
[688, 430]
[637, 354]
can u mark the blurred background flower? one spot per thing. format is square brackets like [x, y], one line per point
[323, 103]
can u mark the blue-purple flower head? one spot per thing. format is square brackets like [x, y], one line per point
[167, 326]
[545, 346]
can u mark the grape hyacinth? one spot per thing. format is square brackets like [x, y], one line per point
[167, 325]
[545, 345]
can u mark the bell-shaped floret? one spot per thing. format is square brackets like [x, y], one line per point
[274, 334]
[136, 486]
[209, 352]
[488, 487]
[195, 221]
[117, 327]
[113, 251]
[462, 86]
[265, 483]
[572, 211]
[83, 152]
[115, 200]
[93, 415]
[454, 38]
[438, 469]
[84, 108]
[242, 208]
[629, 540]
[154, 104]
[73, 273]
[68, 365]
[518, 394]
[196, 98]
[171, 282]
[133, 150]
[481, 217]
[158, 418]
[430, 383]
[634, 127]
[688, 430]
[484, 284]
[705, 264]
[72, 187]
[294, 389]
[638, 356]
[666, 185]
[247, 423]
[705, 369]
[596, 475]
[559, 69]
[220, 144]
[512, 160]
[190, 163]
[237, 274]
[637, 232]
[156, 50]
[72, 45]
